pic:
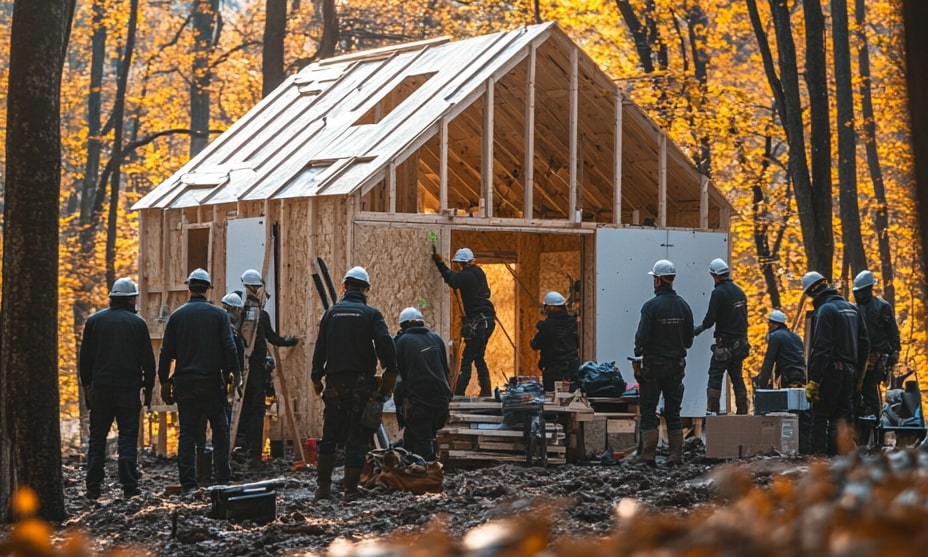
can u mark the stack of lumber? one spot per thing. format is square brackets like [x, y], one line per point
[474, 435]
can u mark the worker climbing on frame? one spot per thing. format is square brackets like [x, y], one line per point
[478, 321]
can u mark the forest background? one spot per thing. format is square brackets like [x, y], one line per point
[797, 111]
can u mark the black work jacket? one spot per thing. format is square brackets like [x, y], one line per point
[423, 367]
[471, 281]
[116, 350]
[264, 334]
[728, 311]
[881, 322]
[666, 325]
[839, 336]
[352, 337]
[556, 338]
[785, 351]
[198, 338]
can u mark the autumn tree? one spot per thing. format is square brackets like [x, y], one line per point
[30, 439]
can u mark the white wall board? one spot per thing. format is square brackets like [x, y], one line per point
[245, 244]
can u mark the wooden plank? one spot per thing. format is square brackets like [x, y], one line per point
[662, 180]
[487, 153]
[617, 160]
[574, 99]
[502, 457]
[528, 167]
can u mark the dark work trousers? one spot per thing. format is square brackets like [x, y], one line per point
[123, 406]
[733, 366]
[345, 399]
[559, 371]
[835, 404]
[661, 376]
[251, 422]
[195, 400]
[871, 404]
[474, 350]
[422, 423]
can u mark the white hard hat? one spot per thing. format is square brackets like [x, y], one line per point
[124, 288]
[718, 267]
[554, 299]
[663, 268]
[232, 299]
[777, 316]
[200, 275]
[252, 277]
[463, 255]
[358, 274]
[411, 314]
[863, 280]
[811, 279]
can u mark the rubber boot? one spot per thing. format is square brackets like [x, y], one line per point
[325, 463]
[486, 389]
[741, 403]
[675, 438]
[713, 399]
[352, 477]
[648, 449]
[204, 467]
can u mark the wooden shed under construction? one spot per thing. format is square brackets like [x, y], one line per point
[514, 144]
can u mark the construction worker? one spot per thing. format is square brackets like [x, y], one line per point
[839, 346]
[478, 321]
[198, 339]
[786, 357]
[665, 332]
[422, 363]
[884, 343]
[116, 361]
[557, 340]
[352, 338]
[728, 313]
[257, 332]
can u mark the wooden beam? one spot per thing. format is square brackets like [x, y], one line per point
[528, 167]
[443, 165]
[487, 162]
[574, 106]
[662, 180]
[391, 185]
[704, 203]
[617, 160]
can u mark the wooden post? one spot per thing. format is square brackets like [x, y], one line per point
[443, 166]
[288, 409]
[574, 107]
[617, 161]
[528, 170]
[487, 171]
[662, 180]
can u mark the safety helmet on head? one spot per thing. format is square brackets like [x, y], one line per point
[233, 300]
[411, 314]
[810, 280]
[555, 299]
[463, 255]
[863, 280]
[199, 275]
[251, 277]
[718, 266]
[124, 288]
[777, 316]
[358, 274]
[663, 268]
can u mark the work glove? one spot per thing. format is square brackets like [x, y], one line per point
[146, 394]
[167, 391]
[318, 386]
[636, 368]
[88, 395]
[291, 341]
[437, 258]
[698, 330]
[387, 382]
[893, 360]
[812, 392]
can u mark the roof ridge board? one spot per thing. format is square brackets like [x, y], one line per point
[367, 55]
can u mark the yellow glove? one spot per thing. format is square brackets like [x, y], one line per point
[812, 392]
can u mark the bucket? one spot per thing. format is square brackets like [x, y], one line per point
[309, 450]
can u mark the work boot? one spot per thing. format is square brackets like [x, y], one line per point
[324, 465]
[352, 477]
[648, 449]
[713, 400]
[675, 438]
[204, 467]
[486, 389]
[741, 403]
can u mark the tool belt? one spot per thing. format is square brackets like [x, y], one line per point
[726, 349]
[471, 325]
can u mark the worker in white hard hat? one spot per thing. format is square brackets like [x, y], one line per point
[839, 347]
[257, 332]
[116, 363]
[353, 337]
[665, 332]
[478, 321]
[557, 340]
[423, 393]
[728, 313]
[198, 342]
[884, 343]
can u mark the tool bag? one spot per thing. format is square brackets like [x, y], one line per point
[600, 380]
[397, 468]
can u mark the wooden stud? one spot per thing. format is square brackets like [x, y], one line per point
[574, 107]
[443, 166]
[617, 161]
[391, 186]
[704, 202]
[487, 162]
[528, 167]
[662, 180]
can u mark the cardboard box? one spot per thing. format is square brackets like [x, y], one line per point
[734, 436]
[780, 400]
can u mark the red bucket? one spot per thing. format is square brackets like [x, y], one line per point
[309, 450]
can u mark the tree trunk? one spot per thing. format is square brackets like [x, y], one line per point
[272, 52]
[206, 33]
[847, 141]
[881, 216]
[329, 41]
[639, 34]
[698, 24]
[29, 417]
